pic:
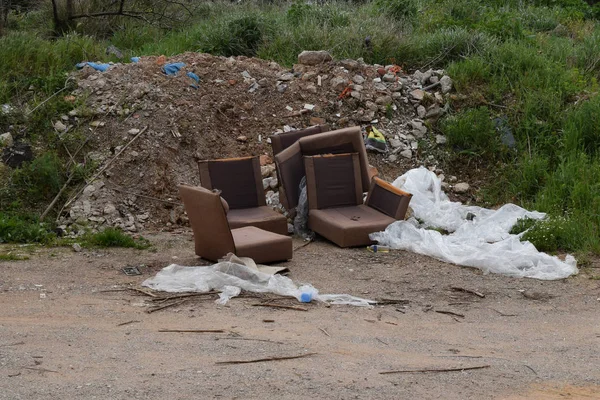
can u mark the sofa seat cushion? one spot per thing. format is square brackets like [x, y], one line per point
[260, 245]
[348, 226]
[261, 217]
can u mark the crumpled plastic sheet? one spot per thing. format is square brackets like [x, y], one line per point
[478, 237]
[301, 219]
[230, 278]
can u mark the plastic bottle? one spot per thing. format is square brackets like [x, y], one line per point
[307, 293]
[375, 248]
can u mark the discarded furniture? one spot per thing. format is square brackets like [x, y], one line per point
[214, 238]
[290, 163]
[335, 200]
[240, 183]
[284, 140]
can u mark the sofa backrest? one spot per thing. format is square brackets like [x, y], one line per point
[212, 235]
[238, 179]
[333, 180]
[284, 140]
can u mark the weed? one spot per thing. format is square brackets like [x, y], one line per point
[397, 9]
[472, 132]
[553, 234]
[112, 237]
[24, 229]
[12, 257]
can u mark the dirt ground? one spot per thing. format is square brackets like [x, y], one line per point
[65, 335]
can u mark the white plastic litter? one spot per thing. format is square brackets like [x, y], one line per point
[230, 277]
[478, 237]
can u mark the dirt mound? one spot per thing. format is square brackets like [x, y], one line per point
[149, 129]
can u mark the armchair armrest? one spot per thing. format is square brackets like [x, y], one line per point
[388, 199]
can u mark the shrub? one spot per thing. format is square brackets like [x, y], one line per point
[304, 13]
[554, 234]
[23, 229]
[39, 181]
[241, 36]
[397, 9]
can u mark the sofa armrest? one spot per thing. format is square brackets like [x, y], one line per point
[388, 199]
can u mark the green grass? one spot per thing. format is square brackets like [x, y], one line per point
[533, 64]
[12, 257]
[113, 237]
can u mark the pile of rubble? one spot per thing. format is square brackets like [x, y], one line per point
[148, 129]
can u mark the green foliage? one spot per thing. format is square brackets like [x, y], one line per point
[112, 237]
[327, 15]
[240, 36]
[554, 234]
[397, 9]
[472, 132]
[40, 180]
[12, 257]
[23, 229]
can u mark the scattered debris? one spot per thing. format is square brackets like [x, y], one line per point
[131, 271]
[128, 322]
[192, 330]
[459, 289]
[449, 313]
[458, 369]
[297, 308]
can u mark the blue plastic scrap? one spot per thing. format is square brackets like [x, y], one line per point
[173, 69]
[135, 59]
[96, 66]
[195, 78]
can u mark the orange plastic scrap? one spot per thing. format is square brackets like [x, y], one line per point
[395, 69]
[345, 93]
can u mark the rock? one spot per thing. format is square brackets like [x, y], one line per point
[462, 187]
[133, 131]
[350, 65]
[380, 87]
[392, 158]
[286, 77]
[406, 153]
[395, 143]
[440, 139]
[317, 121]
[314, 57]
[357, 88]
[421, 112]
[434, 111]
[265, 159]
[109, 209]
[383, 100]
[242, 139]
[281, 87]
[397, 96]
[6, 139]
[59, 126]
[389, 78]
[89, 190]
[418, 75]
[77, 247]
[268, 182]
[426, 75]
[339, 83]
[267, 170]
[311, 88]
[414, 145]
[417, 94]
[439, 98]
[446, 84]
[434, 79]
[452, 178]
[263, 82]
[97, 124]
[356, 95]
[309, 76]
[371, 106]
[359, 80]
[381, 71]
[419, 130]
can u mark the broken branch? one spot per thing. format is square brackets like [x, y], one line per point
[296, 308]
[449, 313]
[192, 330]
[407, 371]
[459, 289]
[264, 359]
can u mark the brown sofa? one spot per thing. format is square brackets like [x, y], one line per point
[240, 183]
[290, 164]
[214, 238]
[335, 200]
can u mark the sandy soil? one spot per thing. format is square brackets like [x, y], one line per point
[63, 335]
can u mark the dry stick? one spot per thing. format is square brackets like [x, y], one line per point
[45, 101]
[264, 359]
[325, 332]
[303, 245]
[113, 290]
[503, 314]
[144, 196]
[382, 302]
[449, 313]
[379, 340]
[407, 371]
[128, 322]
[97, 174]
[459, 289]
[12, 344]
[41, 370]
[281, 306]
[166, 306]
[143, 292]
[53, 203]
[255, 340]
[192, 330]
[183, 296]
[13, 375]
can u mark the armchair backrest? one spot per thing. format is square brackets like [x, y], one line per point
[284, 140]
[388, 199]
[238, 179]
[212, 235]
[333, 180]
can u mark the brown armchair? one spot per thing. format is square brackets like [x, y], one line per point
[284, 140]
[290, 164]
[214, 238]
[335, 200]
[240, 183]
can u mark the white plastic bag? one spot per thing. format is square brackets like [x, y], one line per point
[482, 241]
[230, 278]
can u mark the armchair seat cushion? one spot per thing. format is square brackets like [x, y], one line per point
[261, 217]
[260, 245]
[348, 226]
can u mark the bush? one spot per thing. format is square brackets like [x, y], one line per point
[38, 182]
[303, 13]
[112, 237]
[23, 229]
[241, 36]
[472, 132]
[554, 234]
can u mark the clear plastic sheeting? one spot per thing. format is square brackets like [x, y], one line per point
[478, 237]
[301, 219]
[231, 276]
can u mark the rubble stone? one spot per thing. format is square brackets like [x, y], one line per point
[339, 83]
[421, 112]
[440, 139]
[359, 80]
[314, 57]
[417, 94]
[406, 153]
[462, 187]
[6, 139]
[446, 83]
